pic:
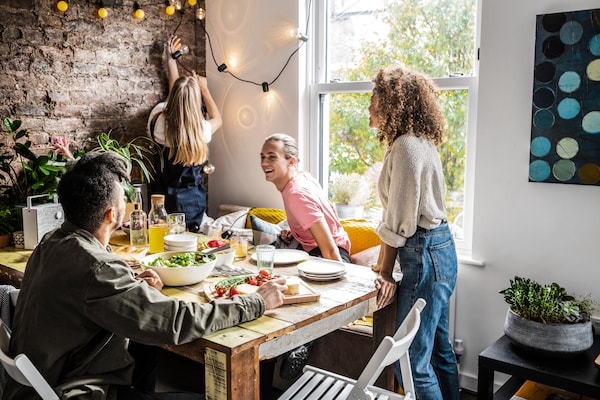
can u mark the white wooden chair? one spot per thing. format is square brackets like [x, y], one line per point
[316, 383]
[21, 369]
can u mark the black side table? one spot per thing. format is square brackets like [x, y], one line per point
[576, 374]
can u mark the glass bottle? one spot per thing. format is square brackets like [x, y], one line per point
[158, 223]
[138, 225]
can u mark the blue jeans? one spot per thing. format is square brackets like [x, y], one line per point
[429, 267]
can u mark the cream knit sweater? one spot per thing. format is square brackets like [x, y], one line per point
[411, 188]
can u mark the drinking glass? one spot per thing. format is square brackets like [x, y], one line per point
[176, 223]
[265, 257]
[240, 244]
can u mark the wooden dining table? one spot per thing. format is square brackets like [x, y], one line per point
[232, 356]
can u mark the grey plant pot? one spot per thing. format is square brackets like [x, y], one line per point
[555, 340]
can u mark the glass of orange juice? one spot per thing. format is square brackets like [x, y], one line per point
[239, 244]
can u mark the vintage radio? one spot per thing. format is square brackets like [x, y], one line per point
[39, 219]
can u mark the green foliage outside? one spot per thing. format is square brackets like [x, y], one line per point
[434, 37]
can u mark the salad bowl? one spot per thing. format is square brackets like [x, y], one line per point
[177, 268]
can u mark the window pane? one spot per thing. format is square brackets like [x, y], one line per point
[435, 37]
[354, 149]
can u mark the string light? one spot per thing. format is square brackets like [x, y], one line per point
[200, 14]
[169, 9]
[102, 12]
[192, 3]
[62, 6]
[138, 13]
[264, 85]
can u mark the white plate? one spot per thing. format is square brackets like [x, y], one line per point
[287, 256]
[321, 277]
[319, 266]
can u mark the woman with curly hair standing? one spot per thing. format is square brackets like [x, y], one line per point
[405, 111]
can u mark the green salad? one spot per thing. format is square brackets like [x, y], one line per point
[183, 260]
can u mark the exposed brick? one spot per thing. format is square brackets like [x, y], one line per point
[72, 73]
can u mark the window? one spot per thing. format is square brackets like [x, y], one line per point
[436, 37]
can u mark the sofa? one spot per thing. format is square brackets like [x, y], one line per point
[263, 222]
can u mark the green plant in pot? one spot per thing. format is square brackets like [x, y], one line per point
[23, 172]
[546, 319]
[350, 193]
[138, 153]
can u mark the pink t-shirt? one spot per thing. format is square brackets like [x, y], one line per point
[305, 204]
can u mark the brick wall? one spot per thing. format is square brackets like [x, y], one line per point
[74, 73]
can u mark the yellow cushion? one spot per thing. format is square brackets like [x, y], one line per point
[271, 215]
[362, 234]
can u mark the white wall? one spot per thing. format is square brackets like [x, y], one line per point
[542, 231]
[257, 34]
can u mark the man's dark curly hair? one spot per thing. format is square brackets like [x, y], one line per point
[89, 188]
[407, 103]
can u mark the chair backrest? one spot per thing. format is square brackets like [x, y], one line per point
[393, 349]
[21, 369]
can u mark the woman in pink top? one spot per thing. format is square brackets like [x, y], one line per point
[311, 217]
[312, 220]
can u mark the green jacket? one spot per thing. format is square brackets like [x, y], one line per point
[80, 304]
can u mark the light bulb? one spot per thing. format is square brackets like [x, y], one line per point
[192, 3]
[169, 10]
[208, 168]
[102, 12]
[139, 14]
[62, 6]
[183, 50]
[177, 4]
[200, 14]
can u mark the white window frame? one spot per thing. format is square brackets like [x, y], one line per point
[315, 142]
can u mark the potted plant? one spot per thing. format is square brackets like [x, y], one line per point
[23, 172]
[546, 319]
[138, 153]
[349, 193]
[9, 222]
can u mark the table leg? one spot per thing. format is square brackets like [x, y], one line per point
[232, 376]
[384, 324]
[485, 382]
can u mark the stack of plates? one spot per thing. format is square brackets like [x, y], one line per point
[181, 242]
[318, 269]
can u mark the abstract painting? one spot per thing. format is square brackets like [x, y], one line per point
[565, 125]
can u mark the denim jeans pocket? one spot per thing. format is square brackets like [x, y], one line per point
[444, 260]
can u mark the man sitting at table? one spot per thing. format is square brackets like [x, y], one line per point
[80, 304]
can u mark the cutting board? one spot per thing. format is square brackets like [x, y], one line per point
[306, 294]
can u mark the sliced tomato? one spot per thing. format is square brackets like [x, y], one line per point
[221, 291]
[233, 291]
[265, 273]
[251, 280]
[215, 243]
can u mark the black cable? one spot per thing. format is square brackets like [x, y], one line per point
[249, 81]
[228, 233]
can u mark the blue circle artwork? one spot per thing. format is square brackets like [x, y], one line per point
[565, 109]
[595, 45]
[569, 81]
[543, 119]
[540, 146]
[568, 108]
[539, 171]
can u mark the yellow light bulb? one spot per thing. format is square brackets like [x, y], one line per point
[169, 10]
[192, 2]
[138, 14]
[102, 12]
[62, 6]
